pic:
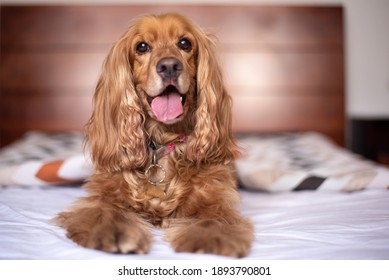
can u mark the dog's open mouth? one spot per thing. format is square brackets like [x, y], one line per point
[168, 105]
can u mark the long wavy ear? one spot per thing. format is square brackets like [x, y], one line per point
[114, 134]
[212, 140]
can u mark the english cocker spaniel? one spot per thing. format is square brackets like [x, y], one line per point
[161, 143]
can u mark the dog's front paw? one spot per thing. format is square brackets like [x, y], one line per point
[212, 237]
[106, 231]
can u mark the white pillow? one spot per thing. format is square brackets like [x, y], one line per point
[304, 161]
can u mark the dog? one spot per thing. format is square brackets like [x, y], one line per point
[161, 144]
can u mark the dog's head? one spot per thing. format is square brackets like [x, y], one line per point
[161, 74]
[163, 56]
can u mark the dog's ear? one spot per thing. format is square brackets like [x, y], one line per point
[212, 139]
[114, 134]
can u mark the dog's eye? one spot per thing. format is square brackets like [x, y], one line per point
[142, 47]
[185, 45]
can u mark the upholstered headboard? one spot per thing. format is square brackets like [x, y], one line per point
[284, 65]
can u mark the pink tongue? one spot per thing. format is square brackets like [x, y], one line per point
[167, 107]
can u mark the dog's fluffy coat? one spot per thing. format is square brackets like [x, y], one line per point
[197, 212]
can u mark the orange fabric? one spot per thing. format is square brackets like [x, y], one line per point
[49, 172]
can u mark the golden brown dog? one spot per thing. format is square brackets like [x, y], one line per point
[161, 143]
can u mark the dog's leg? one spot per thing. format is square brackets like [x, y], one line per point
[207, 221]
[213, 236]
[98, 226]
[104, 221]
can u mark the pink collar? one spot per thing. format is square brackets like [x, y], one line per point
[163, 150]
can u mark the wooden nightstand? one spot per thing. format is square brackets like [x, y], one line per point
[370, 138]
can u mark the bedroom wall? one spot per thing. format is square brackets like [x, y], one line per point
[367, 48]
[285, 72]
[367, 53]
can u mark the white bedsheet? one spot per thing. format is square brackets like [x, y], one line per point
[289, 225]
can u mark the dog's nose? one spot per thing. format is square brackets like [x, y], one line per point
[169, 67]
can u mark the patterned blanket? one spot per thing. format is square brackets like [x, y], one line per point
[272, 163]
[41, 159]
[305, 161]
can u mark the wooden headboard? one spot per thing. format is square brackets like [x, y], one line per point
[284, 65]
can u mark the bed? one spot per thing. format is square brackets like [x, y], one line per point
[307, 195]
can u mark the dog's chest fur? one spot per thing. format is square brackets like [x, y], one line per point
[158, 203]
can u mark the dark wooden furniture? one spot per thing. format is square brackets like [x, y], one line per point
[370, 138]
